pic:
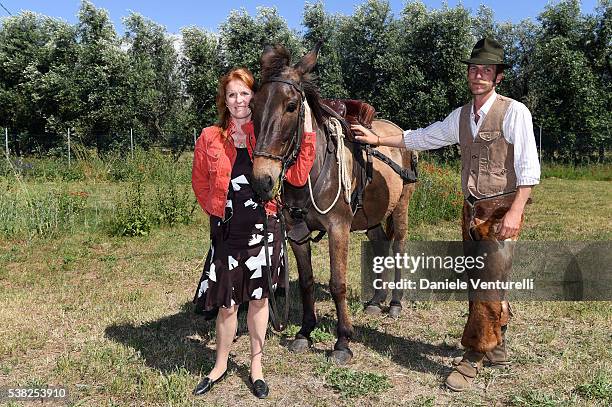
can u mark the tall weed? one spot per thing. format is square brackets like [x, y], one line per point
[45, 214]
[437, 195]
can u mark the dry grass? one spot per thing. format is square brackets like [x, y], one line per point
[110, 318]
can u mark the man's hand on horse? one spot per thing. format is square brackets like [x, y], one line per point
[510, 225]
[307, 118]
[365, 135]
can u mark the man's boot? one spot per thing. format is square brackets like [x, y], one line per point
[495, 358]
[464, 373]
[498, 356]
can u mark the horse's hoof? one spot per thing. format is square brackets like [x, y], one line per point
[341, 357]
[395, 311]
[299, 345]
[373, 310]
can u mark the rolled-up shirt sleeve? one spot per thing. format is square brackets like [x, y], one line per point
[518, 127]
[436, 135]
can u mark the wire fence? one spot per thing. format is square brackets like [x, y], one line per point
[12, 147]
[131, 141]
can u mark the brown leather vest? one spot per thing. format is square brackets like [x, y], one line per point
[487, 160]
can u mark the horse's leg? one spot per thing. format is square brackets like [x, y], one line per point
[397, 230]
[338, 251]
[374, 305]
[309, 319]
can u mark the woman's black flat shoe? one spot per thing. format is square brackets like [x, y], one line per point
[206, 384]
[260, 388]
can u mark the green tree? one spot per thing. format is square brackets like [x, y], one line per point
[154, 82]
[433, 43]
[100, 78]
[365, 37]
[200, 67]
[242, 38]
[34, 50]
[572, 100]
[321, 26]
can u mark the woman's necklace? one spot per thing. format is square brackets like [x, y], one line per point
[241, 141]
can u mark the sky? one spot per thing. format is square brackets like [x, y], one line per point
[210, 14]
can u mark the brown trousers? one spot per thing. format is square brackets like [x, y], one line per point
[481, 222]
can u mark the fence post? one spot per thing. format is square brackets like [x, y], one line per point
[68, 148]
[540, 144]
[6, 142]
[132, 143]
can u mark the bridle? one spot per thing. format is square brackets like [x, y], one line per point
[279, 322]
[288, 158]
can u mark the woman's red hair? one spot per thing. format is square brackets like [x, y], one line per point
[242, 74]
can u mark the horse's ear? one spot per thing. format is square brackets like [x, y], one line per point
[268, 53]
[309, 60]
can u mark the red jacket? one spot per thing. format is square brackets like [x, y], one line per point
[214, 158]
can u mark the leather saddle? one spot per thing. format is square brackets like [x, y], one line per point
[351, 111]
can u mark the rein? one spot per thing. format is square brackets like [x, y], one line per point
[279, 322]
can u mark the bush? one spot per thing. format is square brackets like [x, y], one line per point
[45, 214]
[138, 210]
[174, 204]
[595, 172]
[437, 196]
[132, 216]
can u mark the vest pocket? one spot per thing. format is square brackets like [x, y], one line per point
[490, 135]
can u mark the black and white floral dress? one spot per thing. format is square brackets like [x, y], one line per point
[235, 267]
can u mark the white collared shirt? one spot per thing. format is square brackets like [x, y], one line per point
[517, 128]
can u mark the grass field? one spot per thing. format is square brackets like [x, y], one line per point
[110, 318]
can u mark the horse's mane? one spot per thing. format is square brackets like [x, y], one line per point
[275, 62]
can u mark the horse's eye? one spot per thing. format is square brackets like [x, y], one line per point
[291, 107]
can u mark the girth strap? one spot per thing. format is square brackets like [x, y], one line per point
[408, 175]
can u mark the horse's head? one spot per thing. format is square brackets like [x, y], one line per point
[278, 114]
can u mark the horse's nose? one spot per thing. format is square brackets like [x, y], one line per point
[263, 185]
[268, 184]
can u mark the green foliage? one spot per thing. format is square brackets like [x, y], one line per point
[321, 334]
[169, 202]
[595, 172]
[351, 383]
[242, 38]
[321, 26]
[572, 101]
[291, 330]
[133, 217]
[174, 203]
[424, 401]
[200, 69]
[55, 76]
[154, 99]
[25, 213]
[437, 196]
[535, 398]
[599, 388]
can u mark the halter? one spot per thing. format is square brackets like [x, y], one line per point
[288, 159]
[279, 321]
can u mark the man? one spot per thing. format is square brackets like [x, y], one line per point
[499, 168]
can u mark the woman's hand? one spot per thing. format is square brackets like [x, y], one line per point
[364, 135]
[307, 118]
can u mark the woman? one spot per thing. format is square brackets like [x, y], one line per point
[234, 271]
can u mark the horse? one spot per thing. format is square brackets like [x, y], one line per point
[276, 117]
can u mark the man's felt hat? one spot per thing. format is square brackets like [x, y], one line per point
[487, 52]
